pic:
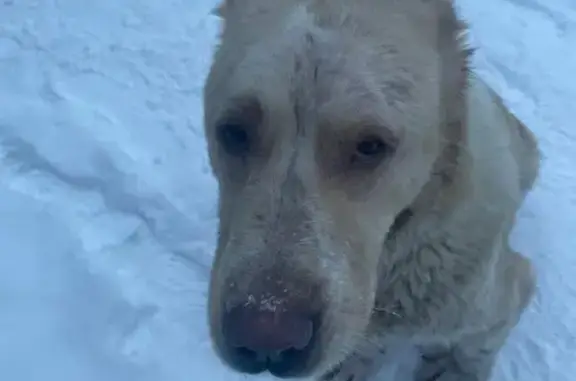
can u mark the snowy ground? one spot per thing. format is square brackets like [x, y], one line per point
[107, 210]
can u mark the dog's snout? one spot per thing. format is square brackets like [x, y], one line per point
[272, 328]
[260, 339]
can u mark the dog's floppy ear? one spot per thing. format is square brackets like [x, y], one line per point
[453, 40]
[221, 9]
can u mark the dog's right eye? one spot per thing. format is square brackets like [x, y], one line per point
[369, 152]
[234, 138]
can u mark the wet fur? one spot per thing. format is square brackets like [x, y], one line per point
[417, 251]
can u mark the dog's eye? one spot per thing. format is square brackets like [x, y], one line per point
[370, 147]
[234, 138]
[369, 152]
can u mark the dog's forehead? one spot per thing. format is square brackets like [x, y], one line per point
[292, 57]
[301, 65]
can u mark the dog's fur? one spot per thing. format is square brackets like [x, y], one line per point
[414, 247]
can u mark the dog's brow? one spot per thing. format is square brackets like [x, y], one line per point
[245, 108]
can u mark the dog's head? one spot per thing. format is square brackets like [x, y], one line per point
[324, 122]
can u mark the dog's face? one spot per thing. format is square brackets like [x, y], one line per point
[322, 127]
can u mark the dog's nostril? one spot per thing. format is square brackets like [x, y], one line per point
[273, 340]
[280, 363]
[248, 361]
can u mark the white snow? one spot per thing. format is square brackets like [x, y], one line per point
[107, 205]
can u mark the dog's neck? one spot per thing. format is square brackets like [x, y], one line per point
[454, 83]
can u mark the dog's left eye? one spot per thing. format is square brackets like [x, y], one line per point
[234, 138]
[371, 147]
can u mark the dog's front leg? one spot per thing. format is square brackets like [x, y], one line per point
[470, 359]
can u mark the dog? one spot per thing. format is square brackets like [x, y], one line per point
[368, 182]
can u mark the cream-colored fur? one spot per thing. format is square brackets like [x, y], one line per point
[412, 245]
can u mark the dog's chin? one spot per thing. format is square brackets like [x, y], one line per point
[334, 355]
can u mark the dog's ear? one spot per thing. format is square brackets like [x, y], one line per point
[453, 39]
[223, 7]
[220, 9]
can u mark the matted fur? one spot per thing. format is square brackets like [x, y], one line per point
[415, 249]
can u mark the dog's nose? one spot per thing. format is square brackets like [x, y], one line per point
[268, 339]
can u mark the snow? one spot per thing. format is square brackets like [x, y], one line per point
[107, 204]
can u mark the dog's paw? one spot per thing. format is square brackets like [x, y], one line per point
[354, 368]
